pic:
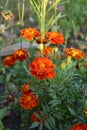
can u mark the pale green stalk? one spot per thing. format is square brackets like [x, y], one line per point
[19, 10]
[43, 15]
[6, 3]
[22, 19]
[21, 16]
[55, 12]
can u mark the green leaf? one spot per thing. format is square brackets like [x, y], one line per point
[1, 125]
[48, 125]
[3, 112]
[35, 124]
[36, 6]
[8, 77]
[60, 126]
[72, 112]
[11, 87]
[52, 120]
[52, 6]
[41, 126]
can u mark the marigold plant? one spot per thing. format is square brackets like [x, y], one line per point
[48, 80]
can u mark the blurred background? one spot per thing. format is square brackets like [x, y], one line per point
[18, 14]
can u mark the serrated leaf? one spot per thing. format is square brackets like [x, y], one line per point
[44, 109]
[8, 77]
[60, 126]
[38, 115]
[35, 124]
[72, 112]
[41, 126]
[52, 120]
[48, 125]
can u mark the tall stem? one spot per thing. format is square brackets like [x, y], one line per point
[19, 10]
[56, 12]
[43, 14]
[22, 22]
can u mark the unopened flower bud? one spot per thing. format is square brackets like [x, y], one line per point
[63, 65]
[41, 47]
[55, 49]
[68, 59]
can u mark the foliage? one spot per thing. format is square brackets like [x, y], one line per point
[48, 82]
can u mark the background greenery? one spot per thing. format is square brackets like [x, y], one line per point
[73, 24]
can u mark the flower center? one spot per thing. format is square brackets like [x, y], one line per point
[29, 98]
[42, 66]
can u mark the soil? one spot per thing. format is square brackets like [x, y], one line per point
[12, 122]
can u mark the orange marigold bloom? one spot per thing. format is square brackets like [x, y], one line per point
[20, 54]
[47, 50]
[55, 37]
[42, 67]
[9, 61]
[79, 127]
[28, 100]
[75, 53]
[30, 33]
[25, 88]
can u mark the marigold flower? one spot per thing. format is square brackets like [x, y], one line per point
[30, 33]
[75, 53]
[25, 88]
[28, 100]
[55, 37]
[42, 67]
[20, 54]
[47, 50]
[79, 127]
[9, 61]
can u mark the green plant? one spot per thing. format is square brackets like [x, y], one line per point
[48, 93]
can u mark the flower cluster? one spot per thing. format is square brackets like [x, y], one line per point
[20, 55]
[28, 99]
[30, 33]
[9, 61]
[74, 53]
[47, 69]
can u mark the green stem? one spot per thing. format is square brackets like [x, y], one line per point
[6, 3]
[55, 12]
[43, 15]
[22, 20]
[19, 10]
[26, 69]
